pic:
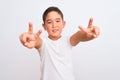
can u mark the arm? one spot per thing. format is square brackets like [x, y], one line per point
[30, 39]
[85, 34]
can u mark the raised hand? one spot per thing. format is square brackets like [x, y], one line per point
[85, 34]
[30, 39]
[90, 32]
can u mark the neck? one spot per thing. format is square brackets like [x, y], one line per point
[54, 37]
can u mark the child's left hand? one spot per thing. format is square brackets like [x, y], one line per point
[90, 32]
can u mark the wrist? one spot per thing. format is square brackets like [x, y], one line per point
[38, 43]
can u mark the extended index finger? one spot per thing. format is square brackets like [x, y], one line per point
[30, 27]
[90, 23]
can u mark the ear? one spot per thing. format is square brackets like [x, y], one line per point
[64, 23]
[44, 26]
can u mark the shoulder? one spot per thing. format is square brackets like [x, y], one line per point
[66, 39]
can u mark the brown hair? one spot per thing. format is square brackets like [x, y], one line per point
[52, 8]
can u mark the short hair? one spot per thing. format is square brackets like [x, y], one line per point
[52, 8]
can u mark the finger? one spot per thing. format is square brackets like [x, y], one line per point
[30, 27]
[97, 31]
[39, 32]
[24, 38]
[82, 29]
[29, 45]
[90, 23]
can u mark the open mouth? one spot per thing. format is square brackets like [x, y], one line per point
[54, 30]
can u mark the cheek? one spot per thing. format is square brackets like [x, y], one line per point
[49, 29]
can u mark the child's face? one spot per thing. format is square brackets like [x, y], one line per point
[54, 25]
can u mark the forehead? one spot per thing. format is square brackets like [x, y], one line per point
[53, 15]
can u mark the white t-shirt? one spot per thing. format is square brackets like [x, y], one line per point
[56, 59]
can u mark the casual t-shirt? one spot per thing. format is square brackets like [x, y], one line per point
[55, 57]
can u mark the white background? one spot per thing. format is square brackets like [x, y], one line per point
[98, 59]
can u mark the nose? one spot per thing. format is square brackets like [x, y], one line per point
[54, 24]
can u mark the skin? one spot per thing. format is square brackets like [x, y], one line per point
[85, 34]
[54, 25]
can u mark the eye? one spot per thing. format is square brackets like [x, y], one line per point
[57, 21]
[48, 22]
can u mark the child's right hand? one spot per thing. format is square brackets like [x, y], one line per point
[30, 39]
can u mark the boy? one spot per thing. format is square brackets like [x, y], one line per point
[54, 51]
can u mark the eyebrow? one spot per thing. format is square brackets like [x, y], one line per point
[48, 20]
[55, 19]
